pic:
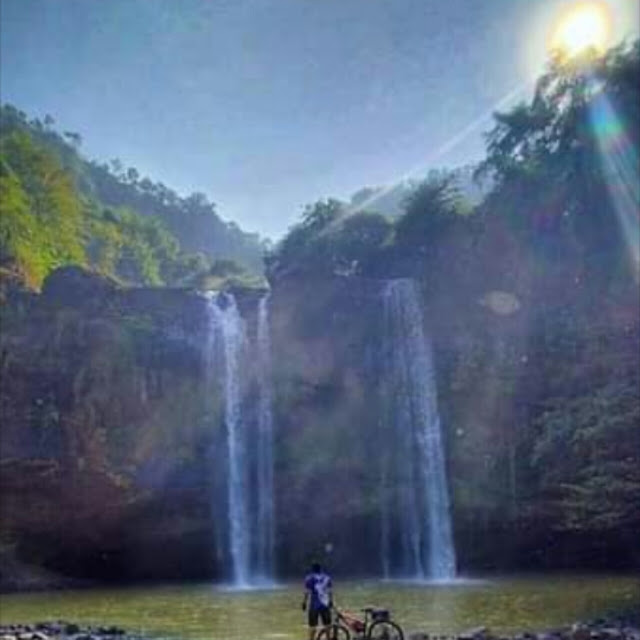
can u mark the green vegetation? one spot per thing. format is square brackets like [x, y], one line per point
[531, 301]
[547, 185]
[41, 225]
[541, 404]
[59, 209]
[329, 241]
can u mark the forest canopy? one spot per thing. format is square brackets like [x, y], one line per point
[546, 177]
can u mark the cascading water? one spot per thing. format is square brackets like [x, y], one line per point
[415, 496]
[248, 477]
[228, 328]
[265, 507]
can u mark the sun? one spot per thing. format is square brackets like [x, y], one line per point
[583, 27]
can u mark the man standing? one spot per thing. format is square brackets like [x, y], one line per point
[318, 598]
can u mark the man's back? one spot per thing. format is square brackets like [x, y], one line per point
[318, 583]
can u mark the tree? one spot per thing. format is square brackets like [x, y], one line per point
[432, 211]
[357, 241]
[545, 160]
[300, 249]
[587, 458]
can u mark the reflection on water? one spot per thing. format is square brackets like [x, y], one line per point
[204, 612]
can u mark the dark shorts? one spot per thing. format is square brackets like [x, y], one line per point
[323, 613]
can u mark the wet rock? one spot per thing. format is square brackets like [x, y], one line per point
[580, 631]
[607, 633]
[477, 633]
[111, 631]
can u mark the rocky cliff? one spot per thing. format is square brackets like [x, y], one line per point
[111, 428]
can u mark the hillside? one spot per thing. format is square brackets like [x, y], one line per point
[58, 208]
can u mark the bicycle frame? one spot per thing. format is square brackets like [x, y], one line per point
[353, 622]
[347, 624]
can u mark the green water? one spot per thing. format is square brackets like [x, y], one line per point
[204, 612]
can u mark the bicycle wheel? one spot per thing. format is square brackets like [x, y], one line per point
[334, 632]
[385, 630]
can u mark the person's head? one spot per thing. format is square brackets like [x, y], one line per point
[316, 567]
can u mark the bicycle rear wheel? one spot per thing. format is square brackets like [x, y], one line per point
[385, 630]
[334, 632]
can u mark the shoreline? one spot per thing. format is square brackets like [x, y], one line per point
[621, 627]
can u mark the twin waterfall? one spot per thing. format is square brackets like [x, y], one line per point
[415, 524]
[248, 428]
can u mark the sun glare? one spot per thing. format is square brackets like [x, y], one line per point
[583, 27]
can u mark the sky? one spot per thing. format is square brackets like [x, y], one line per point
[267, 105]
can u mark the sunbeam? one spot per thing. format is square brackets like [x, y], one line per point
[619, 159]
[445, 147]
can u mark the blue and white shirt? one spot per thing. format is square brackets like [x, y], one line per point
[319, 586]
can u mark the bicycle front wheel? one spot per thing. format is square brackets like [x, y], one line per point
[385, 630]
[334, 632]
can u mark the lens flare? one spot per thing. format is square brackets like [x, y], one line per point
[619, 159]
[583, 27]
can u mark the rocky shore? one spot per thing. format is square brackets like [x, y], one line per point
[627, 628]
[61, 630]
[620, 628]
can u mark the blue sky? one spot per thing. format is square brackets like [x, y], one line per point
[266, 105]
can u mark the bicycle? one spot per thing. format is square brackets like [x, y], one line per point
[377, 625]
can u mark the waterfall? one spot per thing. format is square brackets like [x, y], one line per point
[265, 510]
[233, 360]
[415, 498]
[228, 328]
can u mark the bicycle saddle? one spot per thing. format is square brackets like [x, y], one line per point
[376, 613]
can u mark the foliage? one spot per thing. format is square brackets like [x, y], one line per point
[588, 458]
[58, 208]
[546, 163]
[224, 274]
[391, 201]
[133, 248]
[431, 210]
[41, 226]
[192, 220]
[546, 186]
[329, 240]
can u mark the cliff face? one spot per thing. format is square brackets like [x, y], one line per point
[327, 418]
[523, 375]
[103, 433]
[113, 433]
